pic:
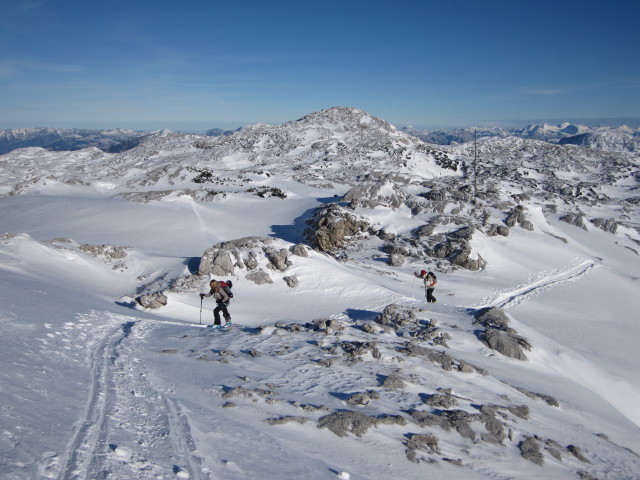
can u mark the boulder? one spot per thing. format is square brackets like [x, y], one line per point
[152, 300]
[576, 219]
[260, 277]
[216, 262]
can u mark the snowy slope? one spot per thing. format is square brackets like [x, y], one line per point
[323, 379]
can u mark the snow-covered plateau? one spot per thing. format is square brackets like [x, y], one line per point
[335, 366]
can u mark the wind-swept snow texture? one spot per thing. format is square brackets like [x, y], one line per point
[337, 368]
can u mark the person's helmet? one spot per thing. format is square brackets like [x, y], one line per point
[423, 273]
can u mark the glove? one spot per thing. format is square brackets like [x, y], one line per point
[202, 295]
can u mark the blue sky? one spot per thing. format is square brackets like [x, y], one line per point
[194, 65]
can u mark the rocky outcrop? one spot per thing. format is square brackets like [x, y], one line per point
[499, 336]
[497, 229]
[607, 225]
[378, 189]
[456, 248]
[518, 216]
[332, 226]
[152, 300]
[255, 256]
[530, 450]
[356, 423]
[224, 257]
[576, 219]
[259, 278]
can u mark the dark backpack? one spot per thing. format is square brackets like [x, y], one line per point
[433, 277]
[226, 286]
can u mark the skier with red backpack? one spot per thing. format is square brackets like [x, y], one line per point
[429, 284]
[221, 291]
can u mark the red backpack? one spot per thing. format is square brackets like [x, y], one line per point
[226, 286]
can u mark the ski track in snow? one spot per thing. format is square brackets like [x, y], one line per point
[510, 298]
[124, 409]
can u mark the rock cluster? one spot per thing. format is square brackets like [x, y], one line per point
[256, 256]
[499, 336]
[332, 226]
[427, 408]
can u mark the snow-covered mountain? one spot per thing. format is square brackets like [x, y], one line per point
[601, 138]
[335, 366]
[113, 141]
[68, 139]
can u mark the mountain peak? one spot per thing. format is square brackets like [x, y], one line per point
[344, 118]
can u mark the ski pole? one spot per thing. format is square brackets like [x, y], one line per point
[200, 309]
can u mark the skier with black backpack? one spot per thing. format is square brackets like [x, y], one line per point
[221, 291]
[429, 284]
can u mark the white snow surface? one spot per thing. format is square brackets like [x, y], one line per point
[93, 385]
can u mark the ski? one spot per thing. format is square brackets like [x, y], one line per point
[184, 324]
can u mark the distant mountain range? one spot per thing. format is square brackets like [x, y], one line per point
[621, 138]
[119, 140]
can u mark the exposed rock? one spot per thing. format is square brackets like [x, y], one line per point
[456, 249]
[495, 430]
[300, 250]
[292, 281]
[547, 398]
[238, 391]
[577, 452]
[278, 258]
[458, 420]
[216, 262]
[442, 400]
[499, 336]
[610, 226]
[251, 261]
[358, 349]
[342, 423]
[508, 344]
[328, 325]
[331, 226]
[108, 252]
[425, 442]
[152, 300]
[378, 190]
[224, 257]
[396, 260]
[521, 411]
[585, 475]
[369, 328]
[576, 219]
[359, 398]
[396, 316]
[188, 283]
[517, 216]
[286, 419]
[496, 229]
[530, 450]
[441, 358]
[260, 277]
[393, 382]
[493, 317]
